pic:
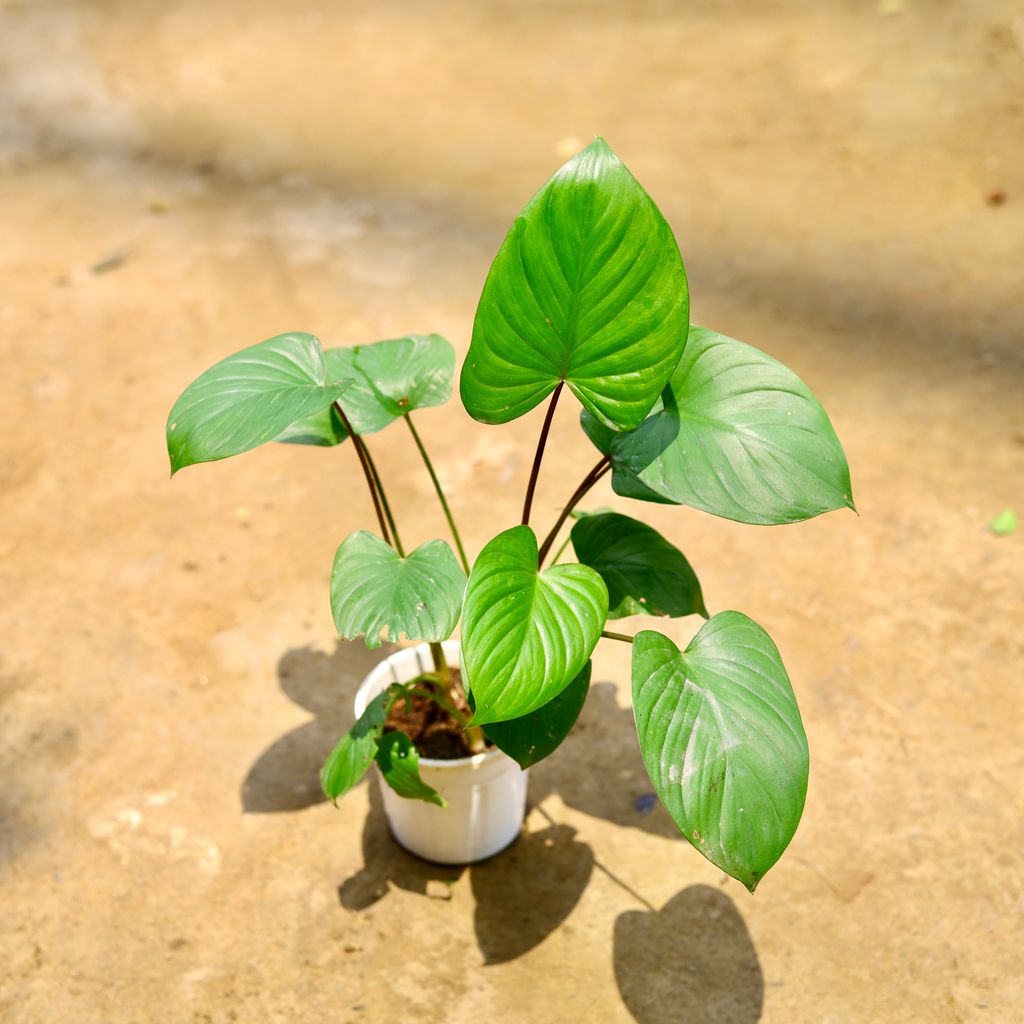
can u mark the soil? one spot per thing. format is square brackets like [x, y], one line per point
[431, 728]
[183, 178]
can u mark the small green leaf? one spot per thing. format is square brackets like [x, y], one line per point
[399, 763]
[738, 435]
[644, 573]
[533, 737]
[347, 762]
[250, 398]
[588, 287]
[389, 379]
[1005, 523]
[373, 589]
[526, 634]
[722, 740]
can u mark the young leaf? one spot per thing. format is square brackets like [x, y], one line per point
[526, 634]
[588, 287]
[250, 398]
[389, 379]
[533, 737]
[739, 436]
[644, 573]
[399, 763]
[347, 762]
[722, 740]
[373, 588]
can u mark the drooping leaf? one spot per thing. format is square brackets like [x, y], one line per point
[739, 435]
[644, 573]
[722, 740]
[347, 762]
[399, 763]
[526, 634]
[373, 588]
[250, 398]
[588, 287]
[533, 737]
[323, 429]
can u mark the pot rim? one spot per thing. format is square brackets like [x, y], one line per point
[437, 764]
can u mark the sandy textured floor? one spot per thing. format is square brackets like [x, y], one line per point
[180, 179]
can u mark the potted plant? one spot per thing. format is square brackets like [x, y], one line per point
[587, 294]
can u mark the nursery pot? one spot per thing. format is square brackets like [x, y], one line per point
[486, 793]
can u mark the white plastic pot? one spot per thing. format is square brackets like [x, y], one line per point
[486, 793]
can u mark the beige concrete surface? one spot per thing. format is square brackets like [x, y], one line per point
[181, 179]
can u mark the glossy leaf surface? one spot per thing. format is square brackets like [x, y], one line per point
[250, 398]
[722, 740]
[389, 379]
[347, 762]
[533, 737]
[739, 435]
[588, 287]
[399, 764]
[526, 634]
[644, 573]
[373, 589]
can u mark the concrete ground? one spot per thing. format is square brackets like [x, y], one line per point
[181, 179]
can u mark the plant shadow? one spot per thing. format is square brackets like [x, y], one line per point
[286, 776]
[693, 962]
[603, 738]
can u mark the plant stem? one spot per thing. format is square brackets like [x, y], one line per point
[617, 636]
[383, 498]
[440, 493]
[558, 554]
[440, 662]
[588, 481]
[361, 452]
[541, 442]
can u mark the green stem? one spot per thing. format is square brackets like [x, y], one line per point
[452, 710]
[440, 662]
[617, 636]
[383, 498]
[440, 493]
[541, 442]
[588, 481]
[363, 461]
[558, 554]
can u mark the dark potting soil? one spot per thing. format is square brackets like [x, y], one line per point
[432, 729]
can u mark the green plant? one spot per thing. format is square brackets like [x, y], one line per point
[587, 293]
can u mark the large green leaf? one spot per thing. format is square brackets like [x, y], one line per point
[250, 398]
[347, 762]
[373, 588]
[722, 740]
[588, 287]
[644, 573]
[399, 763]
[738, 435]
[534, 736]
[526, 634]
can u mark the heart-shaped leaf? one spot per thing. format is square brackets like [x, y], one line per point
[249, 398]
[399, 763]
[644, 573]
[721, 737]
[588, 287]
[347, 762]
[526, 634]
[533, 737]
[389, 379]
[373, 589]
[739, 435]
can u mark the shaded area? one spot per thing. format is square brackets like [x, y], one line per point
[286, 776]
[525, 893]
[620, 791]
[693, 961]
